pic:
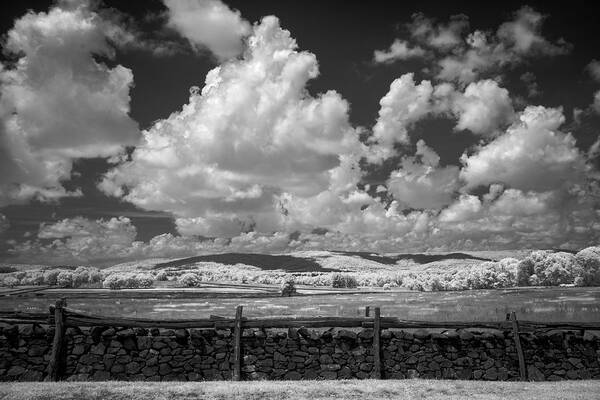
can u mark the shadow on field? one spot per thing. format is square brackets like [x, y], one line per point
[265, 261]
[418, 258]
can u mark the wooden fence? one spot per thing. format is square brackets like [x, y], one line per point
[62, 317]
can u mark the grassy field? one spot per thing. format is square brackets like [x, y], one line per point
[303, 390]
[542, 304]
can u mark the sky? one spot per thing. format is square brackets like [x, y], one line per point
[179, 127]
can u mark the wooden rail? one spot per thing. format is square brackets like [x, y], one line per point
[18, 317]
[83, 318]
[62, 317]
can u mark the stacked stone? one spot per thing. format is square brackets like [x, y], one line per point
[155, 355]
[304, 354]
[558, 355]
[450, 355]
[24, 352]
[102, 353]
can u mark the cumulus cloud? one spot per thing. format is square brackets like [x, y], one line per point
[81, 240]
[593, 69]
[251, 136]
[58, 102]
[532, 155]
[596, 103]
[483, 108]
[465, 208]
[423, 184]
[515, 203]
[514, 218]
[209, 24]
[104, 233]
[148, 34]
[403, 105]
[523, 35]
[501, 219]
[398, 50]
[255, 163]
[443, 37]
[104, 242]
[464, 56]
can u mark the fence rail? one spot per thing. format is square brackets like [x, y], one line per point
[83, 318]
[61, 317]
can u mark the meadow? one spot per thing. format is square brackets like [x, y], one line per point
[539, 304]
[304, 390]
[541, 285]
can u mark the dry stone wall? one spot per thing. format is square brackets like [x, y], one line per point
[24, 352]
[101, 353]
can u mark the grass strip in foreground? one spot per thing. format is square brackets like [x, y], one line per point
[303, 390]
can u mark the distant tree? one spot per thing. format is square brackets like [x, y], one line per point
[161, 275]
[10, 281]
[288, 287]
[588, 261]
[343, 281]
[128, 280]
[50, 276]
[524, 271]
[547, 268]
[6, 269]
[95, 275]
[65, 279]
[81, 276]
[190, 279]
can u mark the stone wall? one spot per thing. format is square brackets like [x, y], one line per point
[139, 354]
[24, 352]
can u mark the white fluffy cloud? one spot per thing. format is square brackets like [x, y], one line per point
[114, 231]
[515, 203]
[501, 219]
[523, 35]
[465, 208]
[81, 240]
[483, 108]
[424, 184]
[57, 102]
[209, 24]
[398, 50]
[403, 105]
[463, 57]
[442, 37]
[532, 155]
[252, 135]
[257, 162]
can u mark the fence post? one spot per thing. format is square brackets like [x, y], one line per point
[57, 358]
[517, 338]
[237, 350]
[376, 343]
